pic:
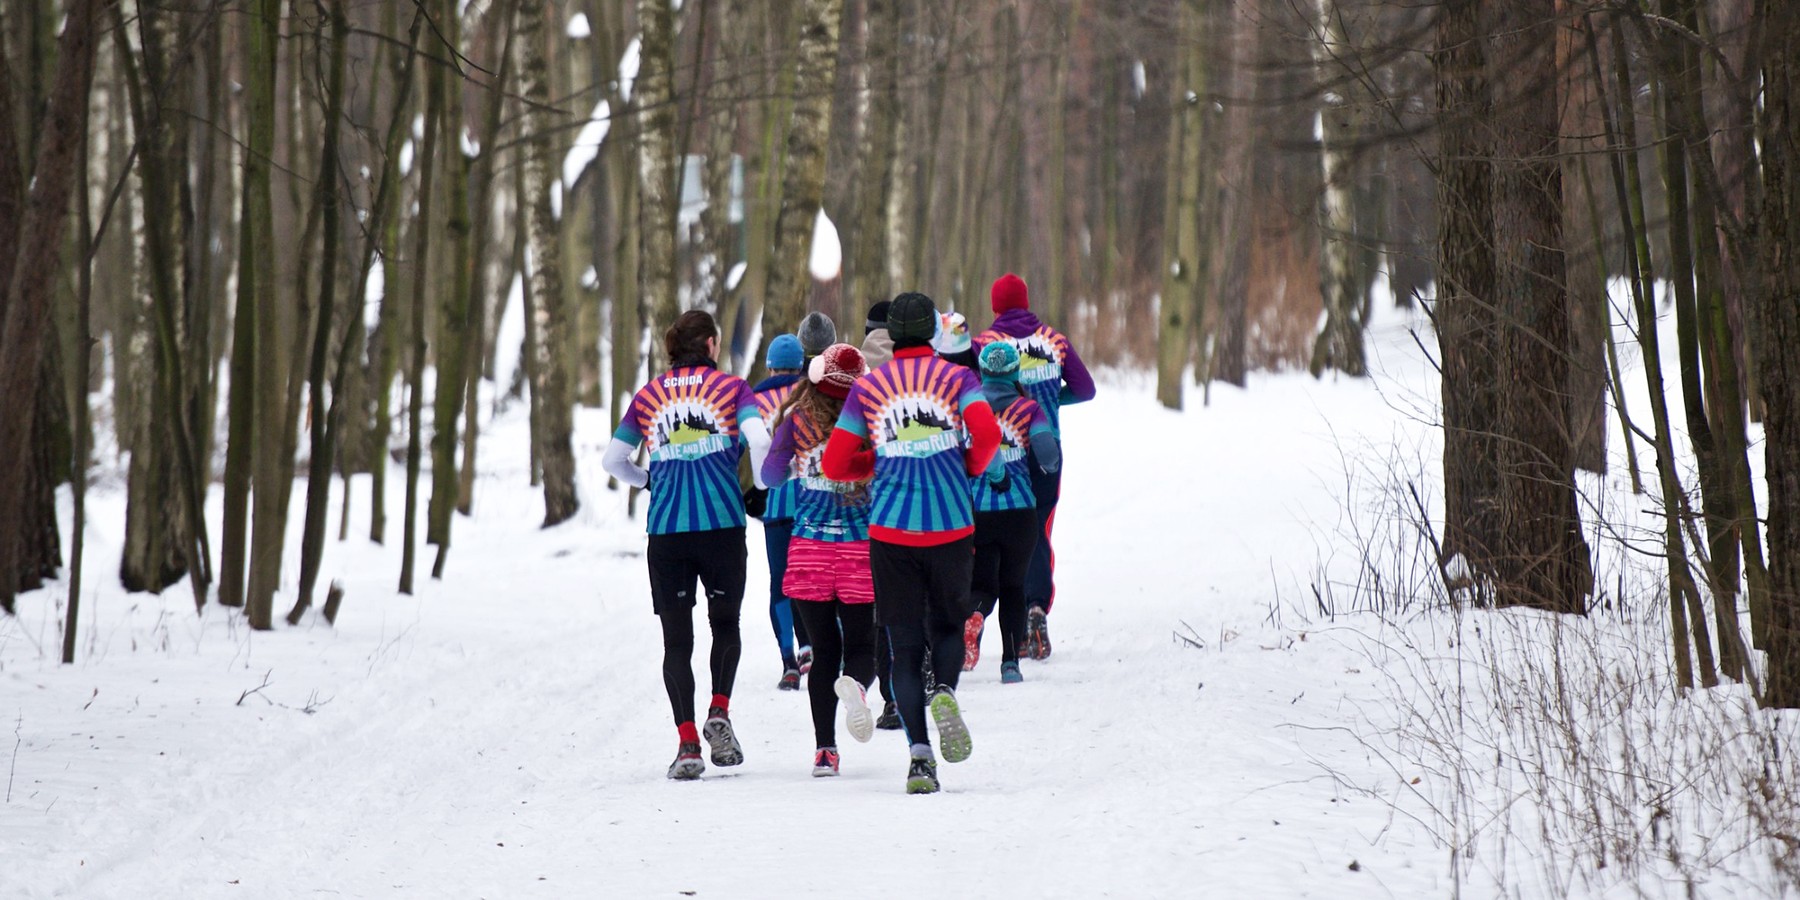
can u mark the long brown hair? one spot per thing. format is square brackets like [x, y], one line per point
[688, 334]
[822, 410]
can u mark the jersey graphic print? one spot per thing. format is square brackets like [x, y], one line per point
[911, 410]
[1041, 357]
[1020, 419]
[782, 498]
[689, 418]
[831, 511]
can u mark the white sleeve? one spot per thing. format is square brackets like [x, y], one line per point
[617, 463]
[756, 434]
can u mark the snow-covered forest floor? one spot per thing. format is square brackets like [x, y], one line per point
[1251, 695]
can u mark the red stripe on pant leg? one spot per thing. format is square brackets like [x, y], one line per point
[1049, 524]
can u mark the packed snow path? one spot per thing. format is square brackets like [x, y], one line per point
[505, 733]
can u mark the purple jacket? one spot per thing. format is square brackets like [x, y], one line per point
[1050, 371]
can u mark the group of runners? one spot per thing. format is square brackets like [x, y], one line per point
[907, 489]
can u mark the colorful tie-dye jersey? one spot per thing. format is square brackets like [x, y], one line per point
[784, 497]
[912, 411]
[1042, 355]
[1021, 419]
[689, 416]
[830, 511]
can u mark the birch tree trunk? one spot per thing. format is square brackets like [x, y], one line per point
[722, 127]
[658, 158]
[803, 182]
[1340, 343]
[879, 109]
[549, 321]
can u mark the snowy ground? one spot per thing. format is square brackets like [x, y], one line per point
[505, 733]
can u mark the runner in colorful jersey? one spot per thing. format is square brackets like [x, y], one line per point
[775, 507]
[920, 426]
[1051, 373]
[696, 421]
[1006, 513]
[828, 560]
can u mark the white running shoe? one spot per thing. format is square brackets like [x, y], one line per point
[857, 718]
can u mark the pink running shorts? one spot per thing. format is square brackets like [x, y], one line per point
[826, 570]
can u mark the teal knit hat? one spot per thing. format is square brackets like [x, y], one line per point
[1000, 361]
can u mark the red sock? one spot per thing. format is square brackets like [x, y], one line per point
[689, 734]
[722, 703]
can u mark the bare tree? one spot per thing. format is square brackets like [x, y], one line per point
[803, 183]
[1778, 317]
[549, 319]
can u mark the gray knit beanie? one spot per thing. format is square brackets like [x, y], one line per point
[817, 332]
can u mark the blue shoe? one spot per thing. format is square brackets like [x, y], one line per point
[1009, 673]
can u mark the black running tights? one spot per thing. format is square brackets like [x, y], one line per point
[843, 637]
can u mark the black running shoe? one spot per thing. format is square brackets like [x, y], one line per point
[890, 717]
[726, 751]
[790, 680]
[1037, 634]
[687, 765]
[921, 776]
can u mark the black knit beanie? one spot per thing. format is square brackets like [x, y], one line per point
[912, 320]
[877, 317]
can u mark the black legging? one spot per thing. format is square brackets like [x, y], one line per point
[910, 642]
[678, 652]
[716, 560]
[843, 636]
[1004, 542]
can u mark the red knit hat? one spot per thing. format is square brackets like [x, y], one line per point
[1009, 293]
[836, 370]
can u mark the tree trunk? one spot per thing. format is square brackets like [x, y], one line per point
[1545, 561]
[30, 253]
[1779, 323]
[415, 375]
[1628, 184]
[789, 280]
[1230, 357]
[475, 349]
[78, 460]
[1694, 260]
[160, 520]
[454, 310]
[1342, 286]
[878, 108]
[1466, 323]
[318, 478]
[1183, 271]
[549, 321]
[658, 160]
[1589, 321]
[267, 381]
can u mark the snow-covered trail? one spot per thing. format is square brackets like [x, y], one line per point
[505, 734]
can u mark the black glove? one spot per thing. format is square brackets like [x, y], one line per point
[1003, 485]
[756, 500]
